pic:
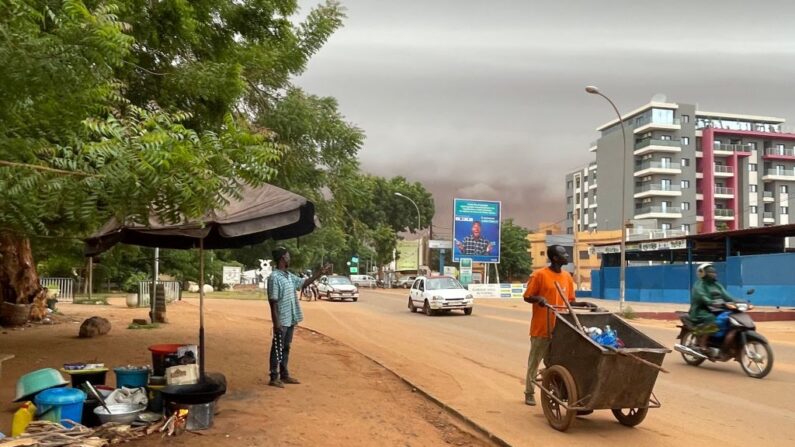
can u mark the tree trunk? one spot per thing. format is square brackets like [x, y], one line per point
[19, 280]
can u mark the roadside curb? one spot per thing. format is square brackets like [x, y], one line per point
[447, 408]
[757, 316]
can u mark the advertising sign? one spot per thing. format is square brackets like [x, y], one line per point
[407, 255]
[444, 245]
[232, 274]
[450, 270]
[476, 230]
[465, 275]
[505, 290]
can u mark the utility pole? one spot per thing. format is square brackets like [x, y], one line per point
[576, 248]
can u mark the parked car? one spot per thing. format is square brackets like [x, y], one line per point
[436, 294]
[335, 287]
[363, 281]
[404, 282]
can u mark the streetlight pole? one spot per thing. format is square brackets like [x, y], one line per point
[622, 268]
[418, 229]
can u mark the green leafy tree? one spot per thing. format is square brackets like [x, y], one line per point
[515, 259]
[131, 107]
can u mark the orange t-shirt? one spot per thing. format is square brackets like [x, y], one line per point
[542, 283]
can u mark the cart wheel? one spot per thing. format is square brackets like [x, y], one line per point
[630, 416]
[560, 383]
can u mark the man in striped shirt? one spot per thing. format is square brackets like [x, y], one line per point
[285, 313]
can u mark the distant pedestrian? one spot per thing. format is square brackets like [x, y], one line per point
[285, 313]
[541, 291]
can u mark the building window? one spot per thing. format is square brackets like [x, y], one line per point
[665, 226]
[752, 167]
[752, 188]
[584, 254]
[665, 137]
[686, 228]
[542, 253]
[685, 206]
[569, 215]
[685, 118]
[577, 182]
[569, 184]
[784, 189]
[685, 141]
[568, 200]
[754, 210]
[685, 184]
[784, 210]
[569, 230]
[685, 162]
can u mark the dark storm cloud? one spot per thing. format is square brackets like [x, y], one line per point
[484, 99]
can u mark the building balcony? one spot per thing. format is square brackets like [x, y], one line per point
[787, 175]
[724, 193]
[649, 145]
[768, 196]
[729, 149]
[637, 234]
[723, 171]
[776, 153]
[724, 214]
[658, 212]
[767, 217]
[657, 189]
[656, 167]
[593, 147]
[646, 126]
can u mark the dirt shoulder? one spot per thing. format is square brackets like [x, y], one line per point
[345, 398]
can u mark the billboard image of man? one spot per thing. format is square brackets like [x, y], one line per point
[475, 244]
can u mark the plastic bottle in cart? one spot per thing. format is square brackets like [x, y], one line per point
[609, 338]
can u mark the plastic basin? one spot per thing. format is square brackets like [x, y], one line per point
[131, 377]
[37, 381]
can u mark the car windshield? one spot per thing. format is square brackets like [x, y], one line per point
[339, 281]
[443, 283]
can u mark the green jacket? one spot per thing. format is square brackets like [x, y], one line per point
[701, 297]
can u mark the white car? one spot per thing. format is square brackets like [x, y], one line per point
[363, 281]
[439, 293]
[335, 287]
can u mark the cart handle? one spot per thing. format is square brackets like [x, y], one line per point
[568, 306]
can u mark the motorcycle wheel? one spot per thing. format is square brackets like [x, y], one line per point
[689, 340]
[756, 359]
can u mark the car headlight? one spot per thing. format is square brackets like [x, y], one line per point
[469, 297]
[437, 298]
[355, 291]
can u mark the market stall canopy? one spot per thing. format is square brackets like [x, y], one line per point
[262, 213]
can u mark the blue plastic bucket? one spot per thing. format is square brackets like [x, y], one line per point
[60, 404]
[131, 377]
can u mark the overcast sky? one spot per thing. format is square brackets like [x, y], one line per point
[485, 99]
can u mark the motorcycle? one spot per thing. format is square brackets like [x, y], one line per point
[310, 293]
[736, 339]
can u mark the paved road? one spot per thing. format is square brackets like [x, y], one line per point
[476, 364]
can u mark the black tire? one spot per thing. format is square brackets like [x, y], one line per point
[761, 363]
[630, 416]
[412, 307]
[560, 383]
[689, 340]
[468, 311]
[355, 300]
[427, 309]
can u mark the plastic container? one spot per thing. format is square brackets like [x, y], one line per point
[159, 353]
[22, 418]
[155, 398]
[92, 376]
[61, 405]
[34, 382]
[128, 377]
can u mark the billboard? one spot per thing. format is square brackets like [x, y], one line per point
[476, 230]
[231, 274]
[407, 255]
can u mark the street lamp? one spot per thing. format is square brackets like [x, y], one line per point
[622, 284]
[418, 229]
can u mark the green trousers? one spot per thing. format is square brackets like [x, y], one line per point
[538, 349]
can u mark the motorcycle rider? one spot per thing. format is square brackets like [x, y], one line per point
[706, 289]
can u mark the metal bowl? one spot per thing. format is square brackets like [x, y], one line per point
[121, 413]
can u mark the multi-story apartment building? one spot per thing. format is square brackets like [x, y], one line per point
[686, 170]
